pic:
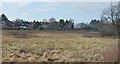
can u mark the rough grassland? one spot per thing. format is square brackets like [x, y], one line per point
[57, 46]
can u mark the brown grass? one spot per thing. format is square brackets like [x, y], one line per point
[72, 46]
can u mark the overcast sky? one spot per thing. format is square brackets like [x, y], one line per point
[39, 10]
[59, 0]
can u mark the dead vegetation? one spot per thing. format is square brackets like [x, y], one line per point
[57, 46]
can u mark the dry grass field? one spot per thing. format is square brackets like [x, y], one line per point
[57, 46]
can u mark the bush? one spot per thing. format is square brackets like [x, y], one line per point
[108, 30]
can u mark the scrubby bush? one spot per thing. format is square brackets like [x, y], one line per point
[108, 30]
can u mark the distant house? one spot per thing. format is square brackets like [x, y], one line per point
[80, 25]
[24, 27]
[44, 25]
[20, 24]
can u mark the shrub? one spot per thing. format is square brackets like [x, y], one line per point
[108, 30]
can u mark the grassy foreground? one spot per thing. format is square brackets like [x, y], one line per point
[57, 46]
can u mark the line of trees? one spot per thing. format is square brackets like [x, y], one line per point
[50, 24]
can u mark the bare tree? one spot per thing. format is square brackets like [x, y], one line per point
[110, 14]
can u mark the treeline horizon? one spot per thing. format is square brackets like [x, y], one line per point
[50, 24]
[45, 24]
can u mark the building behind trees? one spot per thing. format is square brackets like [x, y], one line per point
[52, 24]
